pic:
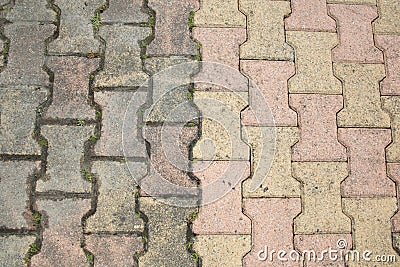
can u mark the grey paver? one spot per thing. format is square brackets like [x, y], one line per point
[14, 249]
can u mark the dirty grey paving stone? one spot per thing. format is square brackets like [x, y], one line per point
[170, 84]
[62, 234]
[26, 54]
[65, 154]
[124, 11]
[13, 249]
[167, 235]
[18, 118]
[76, 30]
[14, 197]
[172, 36]
[71, 87]
[116, 201]
[113, 250]
[123, 65]
[27, 10]
[120, 126]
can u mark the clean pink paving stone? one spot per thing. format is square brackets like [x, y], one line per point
[269, 95]
[393, 170]
[112, 250]
[319, 243]
[391, 49]
[318, 129]
[366, 152]
[62, 234]
[309, 15]
[172, 35]
[71, 87]
[223, 216]
[272, 220]
[356, 43]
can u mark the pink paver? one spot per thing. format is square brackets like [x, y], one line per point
[270, 92]
[391, 49]
[61, 245]
[309, 15]
[272, 221]
[356, 43]
[223, 216]
[318, 129]
[124, 11]
[366, 152]
[172, 36]
[71, 87]
[115, 251]
[318, 243]
[393, 170]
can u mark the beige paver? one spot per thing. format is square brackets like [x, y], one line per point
[388, 21]
[321, 200]
[14, 249]
[392, 105]
[265, 30]
[274, 176]
[362, 103]
[391, 49]
[393, 170]
[371, 227]
[313, 63]
[352, 2]
[219, 13]
[222, 250]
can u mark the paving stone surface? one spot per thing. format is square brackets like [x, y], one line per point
[125, 12]
[219, 13]
[313, 63]
[18, 119]
[70, 99]
[265, 30]
[388, 21]
[25, 10]
[393, 170]
[14, 249]
[65, 154]
[356, 43]
[353, 2]
[62, 234]
[392, 106]
[76, 30]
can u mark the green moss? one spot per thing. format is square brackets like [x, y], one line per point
[80, 122]
[96, 21]
[197, 57]
[37, 217]
[191, 20]
[152, 20]
[87, 175]
[94, 138]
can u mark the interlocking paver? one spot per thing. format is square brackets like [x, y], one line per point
[18, 119]
[265, 30]
[321, 200]
[172, 36]
[167, 240]
[122, 65]
[367, 166]
[392, 106]
[170, 84]
[15, 198]
[124, 11]
[115, 251]
[309, 16]
[318, 129]
[269, 93]
[368, 214]
[221, 136]
[313, 63]
[71, 87]
[322, 242]
[389, 44]
[120, 125]
[116, 201]
[223, 216]
[219, 13]
[26, 54]
[388, 21]
[277, 179]
[362, 103]
[222, 250]
[25, 10]
[62, 234]
[76, 30]
[65, 154]
[356, 43]
[393, 170]
[272, 220]
[353, 2]
[14, 249]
